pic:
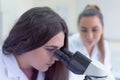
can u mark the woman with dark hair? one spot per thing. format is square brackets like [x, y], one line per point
[28, 51]
[89, 40]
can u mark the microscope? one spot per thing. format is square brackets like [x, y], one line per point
[82, 65]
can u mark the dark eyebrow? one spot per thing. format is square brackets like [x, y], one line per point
[95, 27]
[83, 27]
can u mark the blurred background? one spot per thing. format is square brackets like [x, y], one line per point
[10, 11]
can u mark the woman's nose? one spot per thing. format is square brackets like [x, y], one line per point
[90, 35]
[55, 58]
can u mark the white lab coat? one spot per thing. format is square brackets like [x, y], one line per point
[76, 44]
[9, 69]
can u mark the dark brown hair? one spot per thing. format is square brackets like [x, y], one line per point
[33, 29]
[94, 10]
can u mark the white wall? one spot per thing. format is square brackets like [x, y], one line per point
[23, 5]
[11, 10]
[0, 27]
[8, 15]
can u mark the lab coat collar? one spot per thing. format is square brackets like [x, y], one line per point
[13, 69]
[96, 53]
[41, 76]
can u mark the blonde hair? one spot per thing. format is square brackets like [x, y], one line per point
[92, 6]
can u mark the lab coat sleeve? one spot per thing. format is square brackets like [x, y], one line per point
[2, 70]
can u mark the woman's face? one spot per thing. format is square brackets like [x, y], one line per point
[43, 57]
[91, 30]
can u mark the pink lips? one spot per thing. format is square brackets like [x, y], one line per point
[89, 42]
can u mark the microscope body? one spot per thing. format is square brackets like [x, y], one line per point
[81, 65]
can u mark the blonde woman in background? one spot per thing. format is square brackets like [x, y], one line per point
[90, 40]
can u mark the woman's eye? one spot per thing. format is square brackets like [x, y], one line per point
[84, 30]
[94, 30]
[50, 49]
